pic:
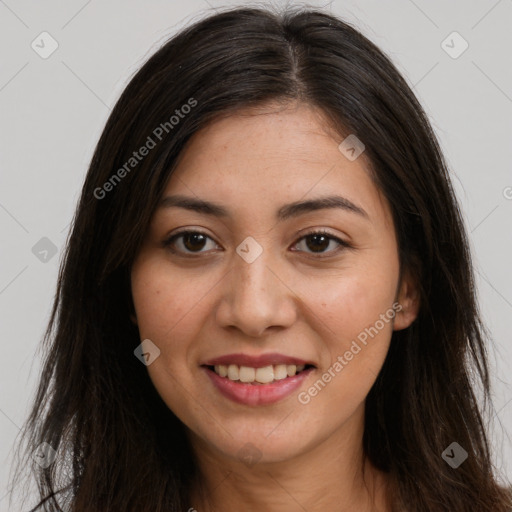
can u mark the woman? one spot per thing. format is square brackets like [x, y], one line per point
[267, 300]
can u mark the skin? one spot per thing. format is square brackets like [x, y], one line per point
[290, 300]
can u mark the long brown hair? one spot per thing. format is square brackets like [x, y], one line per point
[119, 447]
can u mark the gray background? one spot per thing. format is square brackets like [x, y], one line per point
[53, 110]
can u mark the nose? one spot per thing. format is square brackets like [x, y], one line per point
[256, 297]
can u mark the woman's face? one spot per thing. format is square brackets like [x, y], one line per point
[255, 283]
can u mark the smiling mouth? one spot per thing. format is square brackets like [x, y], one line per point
[258, 376]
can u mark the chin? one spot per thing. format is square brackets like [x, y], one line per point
[258, 448]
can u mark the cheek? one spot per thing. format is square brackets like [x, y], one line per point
[350, 302]
[164, 301]
[167, 309]
[356, 306]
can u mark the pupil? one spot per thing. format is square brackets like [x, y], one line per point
[190, 236]
[323, 244]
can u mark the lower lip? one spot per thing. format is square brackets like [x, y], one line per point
[257, 394]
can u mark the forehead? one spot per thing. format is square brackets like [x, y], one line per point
[256, 160]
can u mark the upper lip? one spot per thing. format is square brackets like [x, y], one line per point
[258, 361]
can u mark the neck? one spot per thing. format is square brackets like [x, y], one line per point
[331, 476]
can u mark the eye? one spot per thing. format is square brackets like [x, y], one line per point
[192, 242]
[319, 241]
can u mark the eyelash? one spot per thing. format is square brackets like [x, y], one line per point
[342, 244]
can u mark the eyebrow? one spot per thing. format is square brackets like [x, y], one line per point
[285, 212]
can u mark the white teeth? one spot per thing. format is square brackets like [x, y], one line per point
[263, 375]
[233, 372]
[246, 374]
[280, 372]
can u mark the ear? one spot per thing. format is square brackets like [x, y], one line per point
[409, 299]
[131, 305]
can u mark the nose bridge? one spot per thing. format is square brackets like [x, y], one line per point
[253, 279]
[255, 298]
